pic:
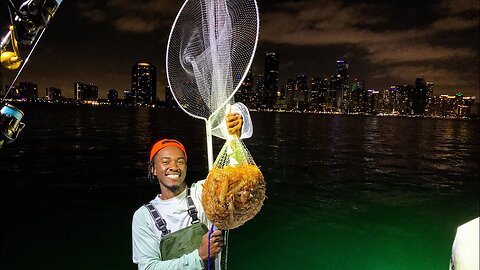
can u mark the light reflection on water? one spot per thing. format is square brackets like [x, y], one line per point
[336, 152]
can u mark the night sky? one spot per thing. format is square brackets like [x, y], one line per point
[386, 42]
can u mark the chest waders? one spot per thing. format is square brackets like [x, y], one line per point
[175, 245]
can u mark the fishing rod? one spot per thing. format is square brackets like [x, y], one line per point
[27, 25]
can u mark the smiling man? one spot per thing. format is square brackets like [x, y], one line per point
[170, 232]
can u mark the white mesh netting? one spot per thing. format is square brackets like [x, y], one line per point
[209, 52]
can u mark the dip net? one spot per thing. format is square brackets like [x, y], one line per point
[209, 52]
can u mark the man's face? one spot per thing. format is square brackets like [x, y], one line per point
[170, 168]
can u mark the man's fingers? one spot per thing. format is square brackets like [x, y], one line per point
[216, 239]
[234, 127]
[234, 120]
[234, 123]
[233, 115]
[216, 233]
[216, 242]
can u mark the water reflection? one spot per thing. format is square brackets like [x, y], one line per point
[320, 156]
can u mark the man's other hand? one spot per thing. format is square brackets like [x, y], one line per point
[216, 244]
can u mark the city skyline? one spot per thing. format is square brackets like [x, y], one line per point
[280, 88]
[441, 45]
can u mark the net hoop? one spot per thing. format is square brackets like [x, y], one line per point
[245, 72]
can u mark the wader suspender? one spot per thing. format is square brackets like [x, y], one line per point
[160, 222]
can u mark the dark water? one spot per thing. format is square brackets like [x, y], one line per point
[344, 192]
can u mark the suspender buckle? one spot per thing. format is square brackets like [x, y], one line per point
[161, 224]
[159, 221]
[192, 211]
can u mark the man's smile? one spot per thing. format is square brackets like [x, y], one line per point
[173, 176]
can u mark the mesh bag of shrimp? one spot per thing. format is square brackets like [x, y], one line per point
[235, 187]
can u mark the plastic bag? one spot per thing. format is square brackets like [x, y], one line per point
[235, 188]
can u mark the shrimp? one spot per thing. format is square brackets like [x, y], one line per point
[232, 195]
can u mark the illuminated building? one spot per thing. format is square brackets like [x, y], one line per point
[245, 92]
[259, 91]
[301, 92]
[144, 83]
[341, 85]
[53, 93]
[356, 97]
[331, 97]
[455, 106]
[270, 79]
[85, 92]
[14, 92]
[128, 98]
[290, 93]
[318, 92]
[372, 101]
[429, 99]
[112, 96]
[447, 104]
[28, 90]
[404, 98]
[391, 99]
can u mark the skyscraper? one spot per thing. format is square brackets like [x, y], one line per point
[301, 92]
[372, 100]
[341, 86]
[271, 79]
[318, 91]
[245, 93]
[420, 96]
[357, 97]
[392, 99]
[53, 93]
[28, 90]
[112, 96]
[259, 91]
[429, 99]
[331, 98]
[128, 98]
[290, 94]
[144, 83]
[14, 92]
[85, 92]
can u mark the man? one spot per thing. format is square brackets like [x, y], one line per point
[465, 249]
[176, 210]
